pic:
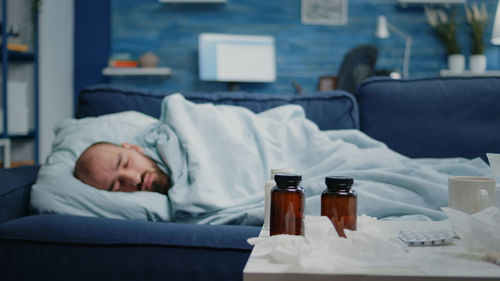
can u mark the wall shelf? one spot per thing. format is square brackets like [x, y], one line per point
[16, 56]
[467, 73]
[136, 71]
[29, 135]
[404, 3]
[192, 1]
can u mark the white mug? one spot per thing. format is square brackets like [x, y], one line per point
[471, 194]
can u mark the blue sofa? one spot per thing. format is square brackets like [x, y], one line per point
[453, 117]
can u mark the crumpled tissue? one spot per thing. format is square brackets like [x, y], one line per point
[322, 250]
[480, 232]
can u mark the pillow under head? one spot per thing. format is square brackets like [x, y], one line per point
[58, 191]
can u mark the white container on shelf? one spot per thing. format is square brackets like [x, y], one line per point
[19, 115]
[17, 94]
[456, 63]
[477, 63]
[18, 120]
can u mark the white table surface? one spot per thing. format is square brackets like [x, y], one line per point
[453, 265]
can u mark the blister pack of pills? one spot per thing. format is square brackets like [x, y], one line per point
[426, 238]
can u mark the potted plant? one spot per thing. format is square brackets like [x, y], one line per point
[476, 19]
[444, 27]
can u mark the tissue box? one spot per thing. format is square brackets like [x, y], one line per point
[18, 120]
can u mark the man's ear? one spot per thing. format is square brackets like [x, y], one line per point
[132, 146]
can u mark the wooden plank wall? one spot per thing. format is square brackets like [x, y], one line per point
[304, 52]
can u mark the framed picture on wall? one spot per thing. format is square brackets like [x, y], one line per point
[324, 12]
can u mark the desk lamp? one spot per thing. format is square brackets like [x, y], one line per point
[382, 32]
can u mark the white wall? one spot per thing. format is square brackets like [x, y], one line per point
[56, 37]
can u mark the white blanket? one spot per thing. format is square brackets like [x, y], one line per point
[219, 158]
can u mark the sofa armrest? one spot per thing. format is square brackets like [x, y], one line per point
[15, 187]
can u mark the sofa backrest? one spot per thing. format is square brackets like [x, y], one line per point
[329, 110]
[435, 117]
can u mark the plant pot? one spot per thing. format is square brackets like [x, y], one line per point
[477, 63]
[456, 63]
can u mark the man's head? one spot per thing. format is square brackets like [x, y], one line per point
[113, 167]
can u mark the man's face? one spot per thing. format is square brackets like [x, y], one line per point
[121, 168]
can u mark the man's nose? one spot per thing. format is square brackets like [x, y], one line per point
[129, 179]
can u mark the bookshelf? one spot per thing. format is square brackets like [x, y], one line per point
[9, 58]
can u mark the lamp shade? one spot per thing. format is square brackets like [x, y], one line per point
[495, 34]
[382, 31]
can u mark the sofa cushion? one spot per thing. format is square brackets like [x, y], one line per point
[329, 110]
[104, 231]
[88, 247]
[433, 117]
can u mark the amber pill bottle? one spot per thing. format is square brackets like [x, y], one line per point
[339, 203]
[287, 205]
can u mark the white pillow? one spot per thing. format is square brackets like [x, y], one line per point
[58, 191]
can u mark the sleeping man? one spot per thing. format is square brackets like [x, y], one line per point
[213, 160]
[125, 168]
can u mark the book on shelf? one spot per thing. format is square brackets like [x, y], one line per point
[123, 63]
[19, 163]
[17, 47]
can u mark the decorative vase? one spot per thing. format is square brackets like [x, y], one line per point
[477, 63]
[148, 59]
[456, 63]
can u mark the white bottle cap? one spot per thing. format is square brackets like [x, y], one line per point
[280, 171]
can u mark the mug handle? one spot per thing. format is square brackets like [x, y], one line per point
[483, 198]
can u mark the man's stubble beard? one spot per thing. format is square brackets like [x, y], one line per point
[161, 183]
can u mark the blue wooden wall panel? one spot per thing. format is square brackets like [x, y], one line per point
[92, 43]
[304, 52]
